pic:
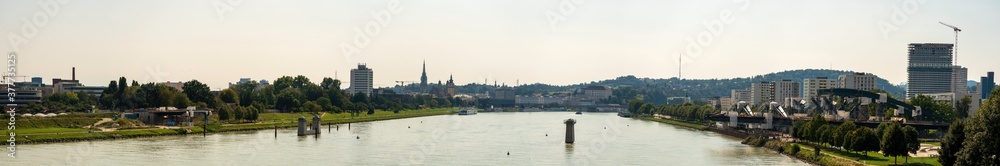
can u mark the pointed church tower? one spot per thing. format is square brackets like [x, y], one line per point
[423, 78]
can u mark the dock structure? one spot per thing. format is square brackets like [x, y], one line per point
[305, 129]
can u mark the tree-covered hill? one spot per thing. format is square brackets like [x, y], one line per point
[657, 90]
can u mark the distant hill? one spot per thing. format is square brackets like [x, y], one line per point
[657, 90]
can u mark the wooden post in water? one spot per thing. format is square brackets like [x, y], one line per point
[275, 131]
[570, 138]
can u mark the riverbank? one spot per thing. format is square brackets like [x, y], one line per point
[804, 152]
[268, 121]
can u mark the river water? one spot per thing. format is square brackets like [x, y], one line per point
[483, 139]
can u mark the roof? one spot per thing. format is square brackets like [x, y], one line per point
[597, 88]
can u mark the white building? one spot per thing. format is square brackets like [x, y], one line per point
[361, 80]
[739, 95]
[859, 81]
[810, 86]
[597, 92]
[761, 93]
[786, 89]
[726, 103]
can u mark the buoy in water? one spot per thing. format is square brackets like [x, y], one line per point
[359, 137]
[508, 153]
[546, 134]
[407, 126]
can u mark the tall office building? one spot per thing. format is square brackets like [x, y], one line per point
[959, 80]
[859, 81]
[810, 86]
[761, 93]
[929, 69]
[986, 85]
[786, 90]
[361, 80]
[767, 92]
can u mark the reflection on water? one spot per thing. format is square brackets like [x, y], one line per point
[483, 139]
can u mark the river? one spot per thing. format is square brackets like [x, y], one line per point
[530, 138]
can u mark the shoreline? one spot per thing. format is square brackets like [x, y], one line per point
[733, 134]
[142, 133]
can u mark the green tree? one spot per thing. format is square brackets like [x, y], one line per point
[962, 107]
[863, 140]
[646, 108]
[225, 112]
[815, 133]
[952, 143]
[981, 134]
[840, 138]
[181, 101]
[634, 105]
[880, 130]
[894, 142]
[311, 106]
[825, 132]
[912, 141]
[290, 98]
[239, 113]
[199, 92]
[229, 96]
[246, 92]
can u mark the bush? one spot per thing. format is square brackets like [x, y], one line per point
[794, 149]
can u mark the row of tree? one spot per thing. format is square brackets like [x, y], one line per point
[239, 113]
[688, 111]
[973, 141]
[892, 139]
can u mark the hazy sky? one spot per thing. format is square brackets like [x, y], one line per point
[546, 41]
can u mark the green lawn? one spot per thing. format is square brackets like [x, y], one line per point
[874, 158]
[268, 121]
[52, 130]
[935, 143]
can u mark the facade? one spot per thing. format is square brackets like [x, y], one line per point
[929, 69]
[739, 95]
[785, 90]
[23, 93]
[959, 80]
[762, 92]
[361, 80]
[726, 103]
[503, 93]
[859, 81]
[810, 86]
[539, 100]
[766, 92]
[986, 85]
[597, 92]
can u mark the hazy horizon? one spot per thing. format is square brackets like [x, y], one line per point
[217, 42]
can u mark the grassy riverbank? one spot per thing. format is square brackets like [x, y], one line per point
[832, 156]
[676, 122]
[65, 130]
[828, 156]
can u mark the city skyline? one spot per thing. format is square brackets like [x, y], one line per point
[484, 40]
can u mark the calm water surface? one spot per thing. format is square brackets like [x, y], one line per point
[483, 139]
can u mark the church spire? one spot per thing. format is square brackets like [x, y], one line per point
[423, 78]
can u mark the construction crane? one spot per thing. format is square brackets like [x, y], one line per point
[955, 48]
